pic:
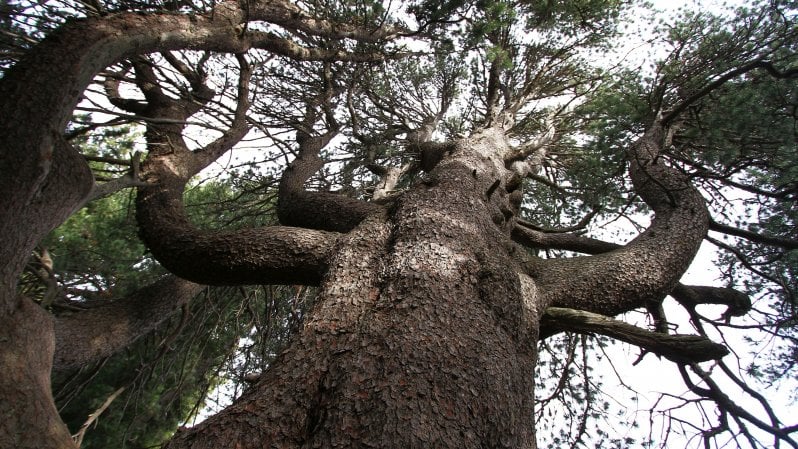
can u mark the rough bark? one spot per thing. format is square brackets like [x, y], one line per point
[275, 254]
[28, 417]
[648, 267]
[424, 334]
[420, 337]
[688, 295]
[425, 330]
[88, 336]
[43, 179]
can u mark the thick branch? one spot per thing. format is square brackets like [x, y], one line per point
[61, 67]
[677, 348]
[26, 355]
[268, 255]
[688, 295]
[647, 268]
[430, 153]
[88, 336]
[738, 303]
[64, 64]
[316, 210]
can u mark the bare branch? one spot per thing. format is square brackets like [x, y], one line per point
[677, 348]
[781, 242]
[78, 437]
[715, 392]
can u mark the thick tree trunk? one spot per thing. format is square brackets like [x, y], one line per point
[30, 420]
[419, 337]
[424, 334]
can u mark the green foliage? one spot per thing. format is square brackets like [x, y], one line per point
[225, 333]
[733, 131]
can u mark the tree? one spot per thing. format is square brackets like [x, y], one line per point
[428, 196]
[138, 397]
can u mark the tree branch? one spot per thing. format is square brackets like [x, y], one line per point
[316, 210]
[87, 336]
[738, 303]
[687, 295]
[753, 236]
[677, 348]
[758, 64]
[727, 404]
[290, 16]
[78, 437]
[648, 267]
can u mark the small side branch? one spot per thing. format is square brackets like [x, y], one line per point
[782, 242]
[78, 437]
[677, 348]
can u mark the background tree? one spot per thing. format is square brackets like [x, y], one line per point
[436, 198]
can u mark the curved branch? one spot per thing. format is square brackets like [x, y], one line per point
[648, 267]
[61, 67]
[111, 88]
[316, 210]
[269, 255]
[88, 336]
[65, 63]
[687, 295]
[677, 348]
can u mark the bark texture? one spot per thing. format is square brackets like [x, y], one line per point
[425, 329]
[86, 337]
[44, 180]
[28, 418]
[648, 267]
[419, 338]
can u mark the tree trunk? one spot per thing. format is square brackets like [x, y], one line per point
[425, 330]
[30, 420]
[419, 337]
